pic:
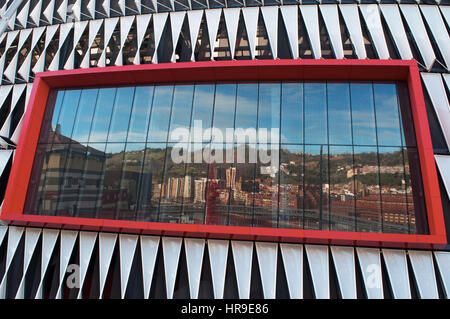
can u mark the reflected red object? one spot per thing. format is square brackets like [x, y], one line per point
[256, 70]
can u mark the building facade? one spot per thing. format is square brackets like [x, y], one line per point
[224, 149]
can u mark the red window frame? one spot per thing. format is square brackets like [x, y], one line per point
[256, 70]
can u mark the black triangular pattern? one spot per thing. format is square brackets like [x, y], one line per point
[23, 54]
[181, 289]
[5, 108]
[308, 287]
[325, 43]
[183, 48]
[34, 271]
[304, 49]
[206, 289]
[415, 294]
[15, 272]
[349, 50]
[201, 48]
[69, 292]
[284, 49]
[158, 286]
[111, 289]
[17, 113]
[335, 289]
[360, 285]
[82, 46]
[147, 49]
[51, 276]
[52, 49]
[99, 43]
[165, 47]
[91, 287]
[282, 288]
[222, 50]
[135, 288]
[10, 53]
[113, 45]
[129, 48]
[262, 50]
[387, 286]
[256, 289]
[231, 288]
[242, 49]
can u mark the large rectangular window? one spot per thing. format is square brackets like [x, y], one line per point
[304, 155]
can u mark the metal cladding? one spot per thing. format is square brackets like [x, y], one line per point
[131, 266]
[54, 35]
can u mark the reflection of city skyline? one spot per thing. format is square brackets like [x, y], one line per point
[344, 190]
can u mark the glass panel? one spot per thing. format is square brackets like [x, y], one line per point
[292, 113]
[269, 111]
[142, 106]
[367, 186]
[47, 131]
[393, 191]
[71, 181]
[63, 130]
[316, 188]
[35, 203]
[195, 187]
[54, 172]
[85, 112]
[224, 108]
[159, 120]
[315, 113]
[342, 193]
[130, 181]
[363, 114]
[89, 197]
[291, 186]
[121, 115]
[339, 116]
[181, 111]
[172, 189]
[151, 182]
[202, 109]
[110, 158]
[241, 202]
[265, 200]
[388, 122]
[111, 194]
[102, 115]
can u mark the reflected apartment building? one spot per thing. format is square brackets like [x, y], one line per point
[355, 94]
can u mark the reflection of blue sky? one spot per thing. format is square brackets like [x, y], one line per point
[315, 113]
[363, 114]
[292, 113]
[159, 120]
[102, 115]
[85, 112]
[339, 118]
[142, 106]
[68, 111]
[388, 124]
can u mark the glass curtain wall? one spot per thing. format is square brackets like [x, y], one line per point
[307, 155]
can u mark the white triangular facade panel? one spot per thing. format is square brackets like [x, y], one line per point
[351, 18]
[330, 16]
[251, 25]
[127, 244]
[344, 263]
[267, 261]
[310, 16]
[218, 256]
[423, 268]
[293, 268]
[370, 265]
[242, 256]
[318, 264]
[436, 90]
[194, 249]
[176, 21]
[414, 20]
[171, 253]
[149, 251]
[372, 18]
[87, 243]
[107, 242]
[49, 237]
[212, 20]
[270, 16]
[159, 22]
[290, 18]
[393, 19]
[397, 270]
[31, 239]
